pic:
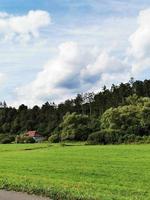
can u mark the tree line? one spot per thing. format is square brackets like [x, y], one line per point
[84, 114]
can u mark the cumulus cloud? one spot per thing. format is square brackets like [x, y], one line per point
[139, 49]
[23, 27]
[79, 69]
[4, 14]
[104, 63]
[73, 70]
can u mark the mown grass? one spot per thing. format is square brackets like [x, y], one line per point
[77, 172]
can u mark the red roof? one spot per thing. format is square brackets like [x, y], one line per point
[32, 134]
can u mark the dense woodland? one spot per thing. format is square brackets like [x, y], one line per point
[86, 117]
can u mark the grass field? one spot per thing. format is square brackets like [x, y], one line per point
[77, 172]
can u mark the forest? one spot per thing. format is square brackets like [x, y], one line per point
[120, 114]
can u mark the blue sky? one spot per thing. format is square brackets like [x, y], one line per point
[53, 49]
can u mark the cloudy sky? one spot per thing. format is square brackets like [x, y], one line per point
[51, 50]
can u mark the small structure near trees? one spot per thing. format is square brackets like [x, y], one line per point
[29, 137]
[35, 135]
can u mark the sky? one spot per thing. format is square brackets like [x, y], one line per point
[50, 50]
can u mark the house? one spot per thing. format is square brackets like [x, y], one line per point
[35, 135]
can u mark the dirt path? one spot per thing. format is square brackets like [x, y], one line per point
[4, 195]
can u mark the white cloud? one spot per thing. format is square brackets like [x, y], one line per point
[106, 70]
[74, 70]
[57, 76]
[104, 63]
[23, 27]
[4, 14]
[79, 68]
[140, 43]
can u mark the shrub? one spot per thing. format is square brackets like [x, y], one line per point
[138, 139]
[6, 139]
[54, 138]
[129, 138]
[24, 139]
[94, 138]
[104, 137]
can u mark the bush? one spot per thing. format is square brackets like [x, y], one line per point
[128, 138]
[6, 139]
[138, 139]
[131, 138]
[94, 138]
[104, 137]
[24, 139]
[54, 138]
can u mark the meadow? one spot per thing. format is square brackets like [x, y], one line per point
[113, 172]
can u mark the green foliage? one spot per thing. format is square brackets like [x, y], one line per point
[145, 114]
[75, 127]
[6, 139]
[121, 117]
[128, 139]
[133, 118]
[124, 107]
[94, 138]
[109, 136]
[54, 138]
[24, 139]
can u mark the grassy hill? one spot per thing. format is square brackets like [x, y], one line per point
[119, 172]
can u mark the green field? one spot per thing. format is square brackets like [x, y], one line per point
[78, 171]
